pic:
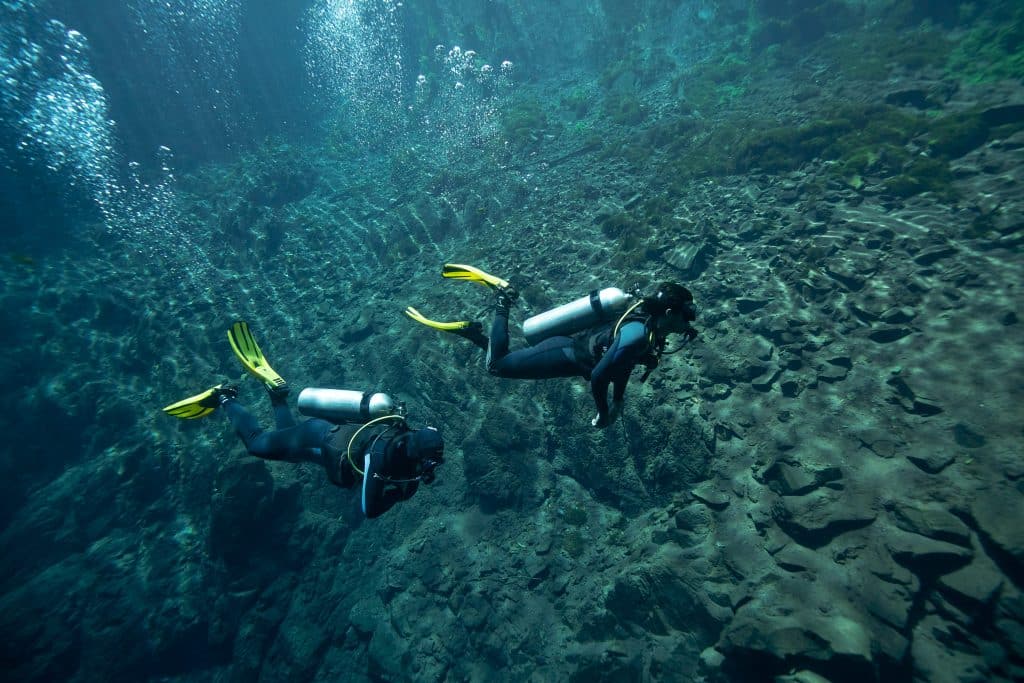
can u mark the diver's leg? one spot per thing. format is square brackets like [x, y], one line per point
[283, 417]
[246, 426]
[553, 357]
[497, 347]
[298, 443]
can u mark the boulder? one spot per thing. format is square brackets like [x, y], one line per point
[926, 557]
[889, 334]
[934, 254]
[655, 598]
[761, 643]
[932, 462]
[795, 480]
[995, 514]
[933, 521]
[711, 495]
[974, 586]
[816, 519]
[690, 259]
[883, 443]
[935, 661]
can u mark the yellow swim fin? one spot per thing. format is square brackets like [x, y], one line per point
[458, 271]
[471, 330]
[453, 326]
[196, 406]
[248, 351]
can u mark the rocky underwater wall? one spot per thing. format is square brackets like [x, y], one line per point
[825, 485]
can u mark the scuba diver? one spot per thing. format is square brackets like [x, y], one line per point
[601, 337]
[391, 458]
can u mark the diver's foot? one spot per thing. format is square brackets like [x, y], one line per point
[474, 332]
[203, 403]
[217, 395]
[506, 297]
[278, 394]
[225, 392]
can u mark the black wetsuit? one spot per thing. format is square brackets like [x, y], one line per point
[593, 355]
[377, 451]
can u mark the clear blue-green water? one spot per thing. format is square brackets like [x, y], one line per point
[824, 485]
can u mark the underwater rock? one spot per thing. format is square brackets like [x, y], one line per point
[887, 335]
[711, 495]
[779, 641]
[932, 657]
[364, 614]
[832, 372]
[882, 443]
[794, 558]
[890, 603]
[926, 557]
[932, 462]
[690, 259]
[711, 660]
[744, 305]
[387, 651]
[987, 513]
[793, 480]
[358, 328]
[919, 98]
[657, 596]
[716, 392]
[791, 389]
[932, 521]
[250, 516]
[898, 316]
[966, 437]
[908, 399]
[500, 472]
[849, 275]
[931, 255]
[693, 518]
[765, 380]
[816, 519]
[1003, 114]
[975, 586]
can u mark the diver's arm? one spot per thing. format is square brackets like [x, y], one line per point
[389, 496]
[600, 378]
[624, 352]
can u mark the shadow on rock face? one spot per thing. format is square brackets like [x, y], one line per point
[499, 459]
[251, 518]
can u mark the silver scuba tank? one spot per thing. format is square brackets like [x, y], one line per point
[345, 405]
[598, 307]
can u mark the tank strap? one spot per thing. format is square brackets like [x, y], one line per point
[364, 405]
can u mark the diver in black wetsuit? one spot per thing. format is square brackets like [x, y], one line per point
[387, 460]
[384, 455]
[603, 355]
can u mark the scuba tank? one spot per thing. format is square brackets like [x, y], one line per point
[346, 405]
[600, 306]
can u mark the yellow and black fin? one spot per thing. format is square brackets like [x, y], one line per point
[248, 351]
[197, 406]
[458, 271]
[471, 330]
[452, 326]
